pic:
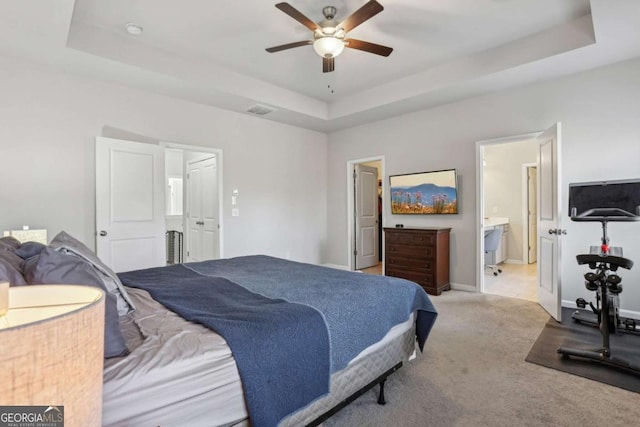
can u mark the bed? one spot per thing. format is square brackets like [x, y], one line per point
[300, 341]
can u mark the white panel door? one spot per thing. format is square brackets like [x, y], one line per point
[366, 198]
[210, 231]
[548, 227]
[194, 212]
[203, 240]
[130, 220]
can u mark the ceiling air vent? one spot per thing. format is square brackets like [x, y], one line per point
[260, 110]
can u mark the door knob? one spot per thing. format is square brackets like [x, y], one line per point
[557, 231]
[103, 233]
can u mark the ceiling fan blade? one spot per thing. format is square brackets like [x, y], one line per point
[359, 16]
[295, 14]
[368, 47]
[288, 46]
[328, 64]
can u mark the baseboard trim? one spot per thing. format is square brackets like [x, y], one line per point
[624, 313]
[336, 266]
[462, 287]
[514, 261]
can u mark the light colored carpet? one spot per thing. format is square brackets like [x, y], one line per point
[473, 373]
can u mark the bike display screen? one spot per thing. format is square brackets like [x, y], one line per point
[605, 198]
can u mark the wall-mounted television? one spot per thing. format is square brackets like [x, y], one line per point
[424, 193]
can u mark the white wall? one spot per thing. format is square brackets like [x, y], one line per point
[600, 140]
[48, 124]
[503, 188]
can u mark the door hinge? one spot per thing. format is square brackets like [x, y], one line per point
[188, 254]
[188, 176]
[355, 252]
[355, 174]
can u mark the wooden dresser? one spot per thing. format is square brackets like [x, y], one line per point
[420, 255]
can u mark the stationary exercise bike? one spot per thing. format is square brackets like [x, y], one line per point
[604, 262]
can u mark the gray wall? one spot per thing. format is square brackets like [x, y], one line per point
[600, 140]
[49, 121]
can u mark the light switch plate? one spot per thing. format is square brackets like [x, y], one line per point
[235, 212]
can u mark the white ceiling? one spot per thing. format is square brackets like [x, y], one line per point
[213, 52]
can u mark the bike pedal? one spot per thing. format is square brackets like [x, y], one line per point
[581, 303]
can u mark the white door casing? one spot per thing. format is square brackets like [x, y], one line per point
[532, 214]
[366, 216]
[202, 210]
[130, 204]
[548, 224]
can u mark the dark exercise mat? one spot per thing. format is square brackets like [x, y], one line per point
[576, 335]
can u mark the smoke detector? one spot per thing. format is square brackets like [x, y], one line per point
[134, 29]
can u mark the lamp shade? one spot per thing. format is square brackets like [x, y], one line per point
[328, 46]
[52, 350]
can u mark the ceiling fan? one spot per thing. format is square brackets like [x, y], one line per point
[329, 36]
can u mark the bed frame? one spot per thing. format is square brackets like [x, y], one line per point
[355, 380]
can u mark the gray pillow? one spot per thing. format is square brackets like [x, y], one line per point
[65, 243]
[5, 247]
[12, 259]
[52, 267]
[29, 249]
[9, 273]
[10, 241]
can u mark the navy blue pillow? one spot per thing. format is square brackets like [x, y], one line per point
[52, 267]
[29, 249]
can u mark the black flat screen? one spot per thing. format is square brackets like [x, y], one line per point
[623, 195]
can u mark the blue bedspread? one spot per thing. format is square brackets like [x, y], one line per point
[359, 308]
[284, 370]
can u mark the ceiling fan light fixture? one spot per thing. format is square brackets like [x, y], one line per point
[328, 47]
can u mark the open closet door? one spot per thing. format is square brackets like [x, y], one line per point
[203, 235]
[366, 205]
[549, 232]
[130, 207]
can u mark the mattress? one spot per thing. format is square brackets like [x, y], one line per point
[181, 373]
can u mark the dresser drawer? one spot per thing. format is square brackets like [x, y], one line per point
[413, 239]
[422, 278]
[410, 262]
[421, 253]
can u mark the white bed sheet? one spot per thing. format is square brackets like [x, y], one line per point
[178, 372]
